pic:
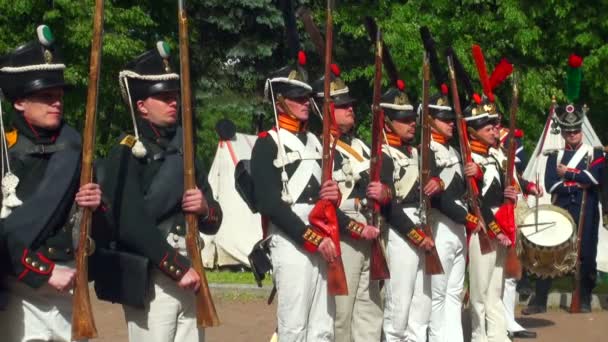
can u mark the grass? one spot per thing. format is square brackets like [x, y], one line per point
[234, 277]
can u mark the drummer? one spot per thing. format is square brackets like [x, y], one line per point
[570, 172]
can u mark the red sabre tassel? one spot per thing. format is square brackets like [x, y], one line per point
[335, 69]
[480, 62]
[400, 85]
[444, 88]
[500, 73]
[301, 58]
[575, 61]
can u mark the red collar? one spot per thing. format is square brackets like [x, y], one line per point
[290, 124]
[573, 148]
[439, 138]
[479, 147]
[393, 139]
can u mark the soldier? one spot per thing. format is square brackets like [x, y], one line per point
[359, 314]
[407, 292]
[570, 172]
[143, 177]
[286, 173]
[39, 189]
[486, 270]
[449, 217]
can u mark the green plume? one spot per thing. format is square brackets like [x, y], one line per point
[573, 83]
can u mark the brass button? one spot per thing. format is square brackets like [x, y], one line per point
[42, 268]
[35, 264]
[51, 250]
[165, 264]
[68, 250]
[172, 268]
[178, 273]
[28, 260]
[178, 228]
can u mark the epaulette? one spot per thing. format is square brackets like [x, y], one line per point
[519, 133]
[128, 140]
[11, 138]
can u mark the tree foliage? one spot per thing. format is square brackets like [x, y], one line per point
[235, 43]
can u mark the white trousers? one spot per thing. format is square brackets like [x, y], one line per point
[305, 311]
[447, 288]
[407, 304]
[509, 298]
[486, 282]
[169, 315]
[36, 315]
[358, 314]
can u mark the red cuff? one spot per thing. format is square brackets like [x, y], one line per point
[355, 228]
[471, 222]
[529, 187]
[312, 239]
[575, 171]
[416, 235]
[35, 262]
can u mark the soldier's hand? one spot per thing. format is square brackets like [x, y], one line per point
[479, 227]
[511, 193]
[470, 169]
[89, 196]
[330, 191]
[375, 191]
[327, 250]
[535, 190]
[194, 202]
[503, 240]
[561, 170]
[62, 279]
[370, 232]
[190, 281]
[427, 243]
[432, 187]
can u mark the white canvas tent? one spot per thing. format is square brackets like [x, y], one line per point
[538, 163]
[240, 228]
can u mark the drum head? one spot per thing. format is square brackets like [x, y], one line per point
[555, 226]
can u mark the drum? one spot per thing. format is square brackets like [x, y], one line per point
[548, 240]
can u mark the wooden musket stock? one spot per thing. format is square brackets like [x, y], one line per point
[206, 316]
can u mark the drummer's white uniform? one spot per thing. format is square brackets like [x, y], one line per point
[407, 292]
[305, 310]
[450, 241]
[486, 279]
[358, 314]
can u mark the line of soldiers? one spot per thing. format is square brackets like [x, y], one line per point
[412, 306]
[138, 197]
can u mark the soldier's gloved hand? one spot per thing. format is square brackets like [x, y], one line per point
[190, 281]
[503, 240]
[561, 170]
[370, 232]
[327, 250]
[377, 192]
[427, 243]
[62, 279]
[331, 192]
[433, 187]
[471, 169]
[89, 196]
[511, 193]
[194, 202]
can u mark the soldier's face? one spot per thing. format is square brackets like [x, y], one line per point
[573, 138]
[406, 129]
[487, 134]
[345, 117]
[160, 109]
[43, 109]
[299, 107]
[444, 127]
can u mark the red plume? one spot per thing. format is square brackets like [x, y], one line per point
[477, 98]
[575, 61]
[444, 88]
[500, 73]
[400, 85]
[301, 58]
[480, 62]
[335, 69]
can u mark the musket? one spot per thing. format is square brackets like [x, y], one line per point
[465, 152]
[512, 262]
[432, 263]
[575, 303]
[547, 126]
[324, 211]
[378, 265]
[206, 316]
[83, 323]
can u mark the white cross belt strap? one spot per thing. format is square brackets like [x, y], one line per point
[491, 172]
[308, 168]
[448, 160]
[404, 184]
